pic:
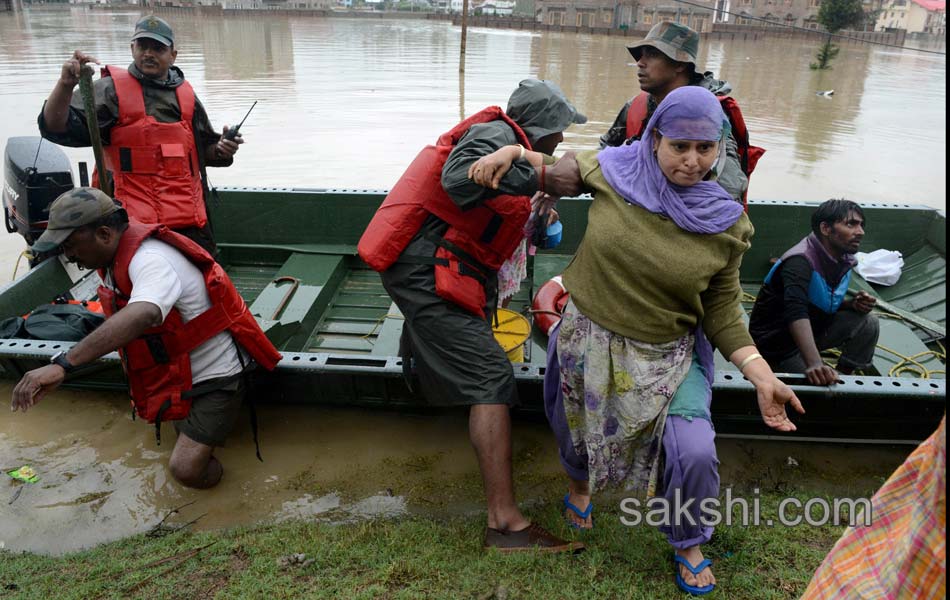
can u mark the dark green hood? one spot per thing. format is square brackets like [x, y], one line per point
[540, 108]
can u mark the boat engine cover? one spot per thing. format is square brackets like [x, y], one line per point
[35, 172]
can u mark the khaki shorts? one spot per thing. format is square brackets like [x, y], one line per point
[213, 415]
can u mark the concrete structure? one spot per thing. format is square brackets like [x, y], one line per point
[916, 16]
[501, 8]
[586, 13]
[642, 14]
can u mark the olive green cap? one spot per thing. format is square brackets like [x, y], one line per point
[70, 211]
[678, 42]
[152, 27]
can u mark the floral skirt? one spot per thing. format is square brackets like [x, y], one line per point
[512, 272]
[617, 393]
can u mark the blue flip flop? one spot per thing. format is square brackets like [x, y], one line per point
[696, 591]
[580, 513]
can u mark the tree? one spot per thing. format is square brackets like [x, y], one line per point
[835, 15]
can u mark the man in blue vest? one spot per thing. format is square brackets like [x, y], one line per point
[801, 308]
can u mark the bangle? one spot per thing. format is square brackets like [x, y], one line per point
[748, 359]
[521, 156]
[541, 180]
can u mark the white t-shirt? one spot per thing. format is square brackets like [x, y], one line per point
[162, 275]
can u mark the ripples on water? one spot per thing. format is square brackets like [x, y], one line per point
[348, 102]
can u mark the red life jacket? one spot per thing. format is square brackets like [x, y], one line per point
[477, 241]
[748, 155]
[154, 165]
[157, 363]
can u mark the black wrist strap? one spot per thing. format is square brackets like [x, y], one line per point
[60, 359]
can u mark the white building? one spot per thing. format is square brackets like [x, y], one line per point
[500, 8]
[916, 16]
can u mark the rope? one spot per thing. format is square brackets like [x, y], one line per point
[16, 267]
[379, 322]
[910, 364]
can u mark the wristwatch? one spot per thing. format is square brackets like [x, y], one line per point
[60, 359]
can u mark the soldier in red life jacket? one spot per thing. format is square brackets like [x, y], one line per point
[666, 60]
[157, 138]
[184, 333]
[438, 240]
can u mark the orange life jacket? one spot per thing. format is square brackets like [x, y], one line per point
[154, 165]
[748, 155]
[157, 363]
[477, 242]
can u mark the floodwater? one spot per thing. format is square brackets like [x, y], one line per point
[347, 103]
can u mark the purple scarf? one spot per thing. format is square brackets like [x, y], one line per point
[687, 113]
[827, 266]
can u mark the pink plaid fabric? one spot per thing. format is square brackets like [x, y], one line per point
[902, 554]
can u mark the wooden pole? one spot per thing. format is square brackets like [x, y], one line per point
[92, 123]
[464, 35]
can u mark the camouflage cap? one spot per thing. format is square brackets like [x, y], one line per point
[70, 211]
[678, 42]
[152, 27]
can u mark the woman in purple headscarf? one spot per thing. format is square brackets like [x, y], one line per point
[654, 286]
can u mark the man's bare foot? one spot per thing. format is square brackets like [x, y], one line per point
[694, 556]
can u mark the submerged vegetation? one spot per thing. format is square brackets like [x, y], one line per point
[835, 15]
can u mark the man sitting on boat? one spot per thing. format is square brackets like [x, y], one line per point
[801, 308]
[666, 60]
[438, 241]
[182, 330]
[157, 138]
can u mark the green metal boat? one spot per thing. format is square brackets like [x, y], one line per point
[292, 254]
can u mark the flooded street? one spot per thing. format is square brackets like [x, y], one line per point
[348, 103]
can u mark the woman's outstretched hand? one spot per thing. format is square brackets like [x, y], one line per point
[772, 400]
[771, 392]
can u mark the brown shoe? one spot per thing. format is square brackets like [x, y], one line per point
[532, 538]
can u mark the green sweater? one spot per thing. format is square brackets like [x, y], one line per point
[638, 274]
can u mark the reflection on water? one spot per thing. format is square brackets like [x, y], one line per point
[348, 103]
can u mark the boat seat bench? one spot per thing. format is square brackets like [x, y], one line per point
[289, 307]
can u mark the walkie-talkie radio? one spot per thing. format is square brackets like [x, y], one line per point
[233, 132]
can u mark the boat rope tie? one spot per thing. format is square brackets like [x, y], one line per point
[379, 322]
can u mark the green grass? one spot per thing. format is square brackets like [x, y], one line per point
[417, 557]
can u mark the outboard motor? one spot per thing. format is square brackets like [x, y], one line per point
[34, 174]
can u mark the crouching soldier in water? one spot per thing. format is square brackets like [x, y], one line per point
[438, 240]
[175, 317]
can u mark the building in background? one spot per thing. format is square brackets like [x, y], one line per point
[499, 8]
[916, 16]
[698, 14]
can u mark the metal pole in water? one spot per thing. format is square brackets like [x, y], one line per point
[464, 35]
[92, 123]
